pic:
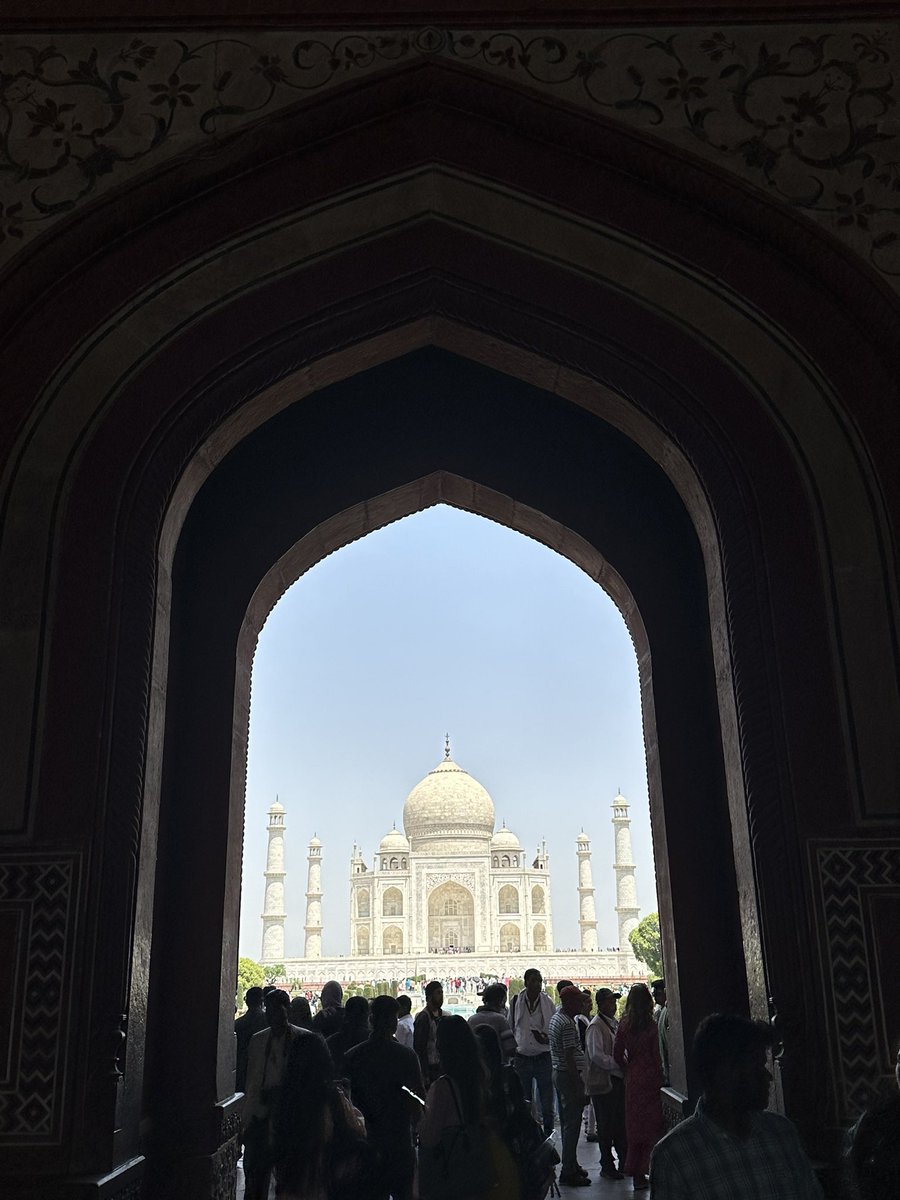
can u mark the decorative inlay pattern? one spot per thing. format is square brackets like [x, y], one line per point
[845, 874]
[44, 892]
[465, 879]
[807, 114]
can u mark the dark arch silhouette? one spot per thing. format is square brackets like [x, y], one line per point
[185, 476]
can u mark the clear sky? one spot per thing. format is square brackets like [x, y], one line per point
[443, 621]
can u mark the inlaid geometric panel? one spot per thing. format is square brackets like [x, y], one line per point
[38, 899]
[848, 877]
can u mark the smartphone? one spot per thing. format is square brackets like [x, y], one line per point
[410, 1092]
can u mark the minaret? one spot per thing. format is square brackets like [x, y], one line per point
[626, 893]
[314, 900]
[273, 916]
[587, 913]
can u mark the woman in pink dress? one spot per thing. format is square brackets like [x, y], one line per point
[636, 1050]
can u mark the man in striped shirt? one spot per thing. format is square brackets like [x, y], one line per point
[731, 1146]
[568, 1065]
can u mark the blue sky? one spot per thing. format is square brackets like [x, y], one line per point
[443, 621]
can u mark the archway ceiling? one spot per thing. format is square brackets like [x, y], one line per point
[805, 113]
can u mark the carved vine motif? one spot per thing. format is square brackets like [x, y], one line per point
[807, 115]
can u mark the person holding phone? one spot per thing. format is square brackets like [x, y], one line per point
[529, 1017]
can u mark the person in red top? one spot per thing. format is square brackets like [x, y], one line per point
[636, 1050]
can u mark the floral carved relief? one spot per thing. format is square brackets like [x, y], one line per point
[807, 115]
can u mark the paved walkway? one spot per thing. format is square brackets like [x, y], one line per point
[588, 1157]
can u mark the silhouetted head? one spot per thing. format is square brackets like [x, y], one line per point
[300, 1012]
[534, 981]
[277, 1004]
[332, 994]
[405, 1005]
[434, 993]
[607, 1001]
[730, 1057]
[563, 983]
[494, 996]
[658, 988]
[253, 998]
[356, 1011]
[385, 1011]
[571, 1000]
[639, 1006]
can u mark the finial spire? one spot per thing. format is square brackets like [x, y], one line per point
[446, 747]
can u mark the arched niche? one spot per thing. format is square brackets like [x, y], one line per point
[510, 938]
[451, 917]
[392, 940]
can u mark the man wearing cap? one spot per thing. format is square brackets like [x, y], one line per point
[568, 1067]
[605, 1085]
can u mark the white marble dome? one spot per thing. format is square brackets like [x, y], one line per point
[448, 809]
[505, 839]
[392, 842]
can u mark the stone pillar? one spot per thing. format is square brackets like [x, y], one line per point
[314, 900]
[627, 909]
[274, 916]
[587, 915]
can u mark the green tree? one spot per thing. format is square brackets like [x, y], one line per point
[647, 945]
[274, 972]
[249, 974]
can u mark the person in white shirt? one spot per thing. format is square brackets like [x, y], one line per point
[530, 1014]
[404, 1034]
[604, 1084]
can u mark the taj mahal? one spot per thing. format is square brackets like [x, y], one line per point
[451, 883]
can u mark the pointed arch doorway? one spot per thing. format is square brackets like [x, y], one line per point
[642, 521]
[622, 310]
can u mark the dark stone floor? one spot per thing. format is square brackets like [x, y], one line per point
[589, 1158]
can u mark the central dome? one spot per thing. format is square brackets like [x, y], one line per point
[448, 811]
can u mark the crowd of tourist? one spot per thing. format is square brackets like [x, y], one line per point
[363, 1100]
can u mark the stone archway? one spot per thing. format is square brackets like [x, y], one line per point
[392, 940]
[510, 938]
[451, 917]
[769, 503]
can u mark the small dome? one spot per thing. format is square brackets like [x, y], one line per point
[393, 841]
[582, 837]
[276, 807]
[314, 843]
[505, 839]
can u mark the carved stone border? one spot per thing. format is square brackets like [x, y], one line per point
[44, 892]
[803, 112]
[843, 874]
